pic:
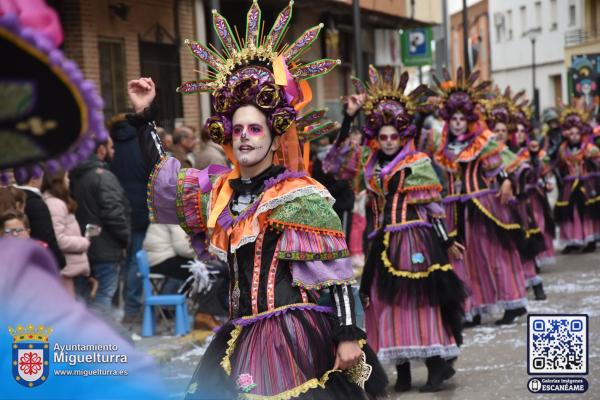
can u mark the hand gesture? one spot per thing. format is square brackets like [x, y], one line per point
[348, 355]
[354, 102]
[141, 93]
[456, 250]
[505, 193]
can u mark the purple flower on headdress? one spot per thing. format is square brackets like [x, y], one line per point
[268, 97]
[245, 382]
[222, 100]
[281, 120]
[459, 101]
[245, 90]
[219, 129]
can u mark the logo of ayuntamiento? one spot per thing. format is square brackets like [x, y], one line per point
[30, 354]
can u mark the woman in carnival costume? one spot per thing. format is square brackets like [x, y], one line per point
[268, 220]
[576, 211]
[412, 297]
[478, 190]
[508, 117]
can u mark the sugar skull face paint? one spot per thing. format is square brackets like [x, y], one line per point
[389, 140]
[500, 132]
[458, 124]
[521, 134]
[251, 137]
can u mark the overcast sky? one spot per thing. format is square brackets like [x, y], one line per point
[456, 5]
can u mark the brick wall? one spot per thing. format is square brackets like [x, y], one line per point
[85, 22]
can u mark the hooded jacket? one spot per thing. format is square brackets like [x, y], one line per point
[101, 200]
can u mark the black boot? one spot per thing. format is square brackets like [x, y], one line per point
[404, 380]
[511, 315]
[569, 249]
[590, 248]
[476, 321]
[538, 291]
[438, 371]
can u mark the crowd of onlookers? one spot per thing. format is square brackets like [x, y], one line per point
[94, 219]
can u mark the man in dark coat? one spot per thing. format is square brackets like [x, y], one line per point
[101, 201]
[130, 170]
[40, 221]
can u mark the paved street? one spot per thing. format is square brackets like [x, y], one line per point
[493, 360]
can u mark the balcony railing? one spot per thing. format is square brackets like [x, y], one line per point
[579, 36]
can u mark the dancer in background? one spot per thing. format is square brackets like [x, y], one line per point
[578, 160]
[267, 219]
[478, 190]
[412, 297]
[506, 115]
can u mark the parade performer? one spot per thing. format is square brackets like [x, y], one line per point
[507, 116]
[578, 160]
[268, 220]
[537, 185]
[478, 190]
[412, 297]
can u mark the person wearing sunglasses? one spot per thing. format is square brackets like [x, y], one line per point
[411, 295]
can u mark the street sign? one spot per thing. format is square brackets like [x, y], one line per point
[416, 47]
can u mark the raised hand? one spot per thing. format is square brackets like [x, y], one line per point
[141, 93]
[354, 102]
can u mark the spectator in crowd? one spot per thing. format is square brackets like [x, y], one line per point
[184, 143]
[168, 248]
[101, 201]
[12, 198]
[208, 152]
[40, 222]
[166, 139]
[74, 246]
[14, 223]
[132, 174]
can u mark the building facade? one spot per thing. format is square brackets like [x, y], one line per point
[478, 39]
[515, 25]
[115, 42]
[582, 55]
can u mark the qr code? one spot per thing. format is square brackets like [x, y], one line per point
[557, 344]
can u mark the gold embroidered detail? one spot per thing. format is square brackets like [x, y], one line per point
[493, 218]
[226, 361]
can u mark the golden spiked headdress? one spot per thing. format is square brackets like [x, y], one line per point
[461, 94]
[257, 70]
[388, 104]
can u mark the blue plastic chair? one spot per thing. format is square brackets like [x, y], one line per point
[182, 323]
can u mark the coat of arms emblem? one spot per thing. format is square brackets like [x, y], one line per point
[30, 354]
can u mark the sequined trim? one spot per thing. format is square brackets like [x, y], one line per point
[321, 285]
[294, 392]
[256, 272]
[271, 282]
[150, 188]
[226, 361]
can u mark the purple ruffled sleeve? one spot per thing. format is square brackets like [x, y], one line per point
[343, 161]
[319, 274]
[162, 191]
